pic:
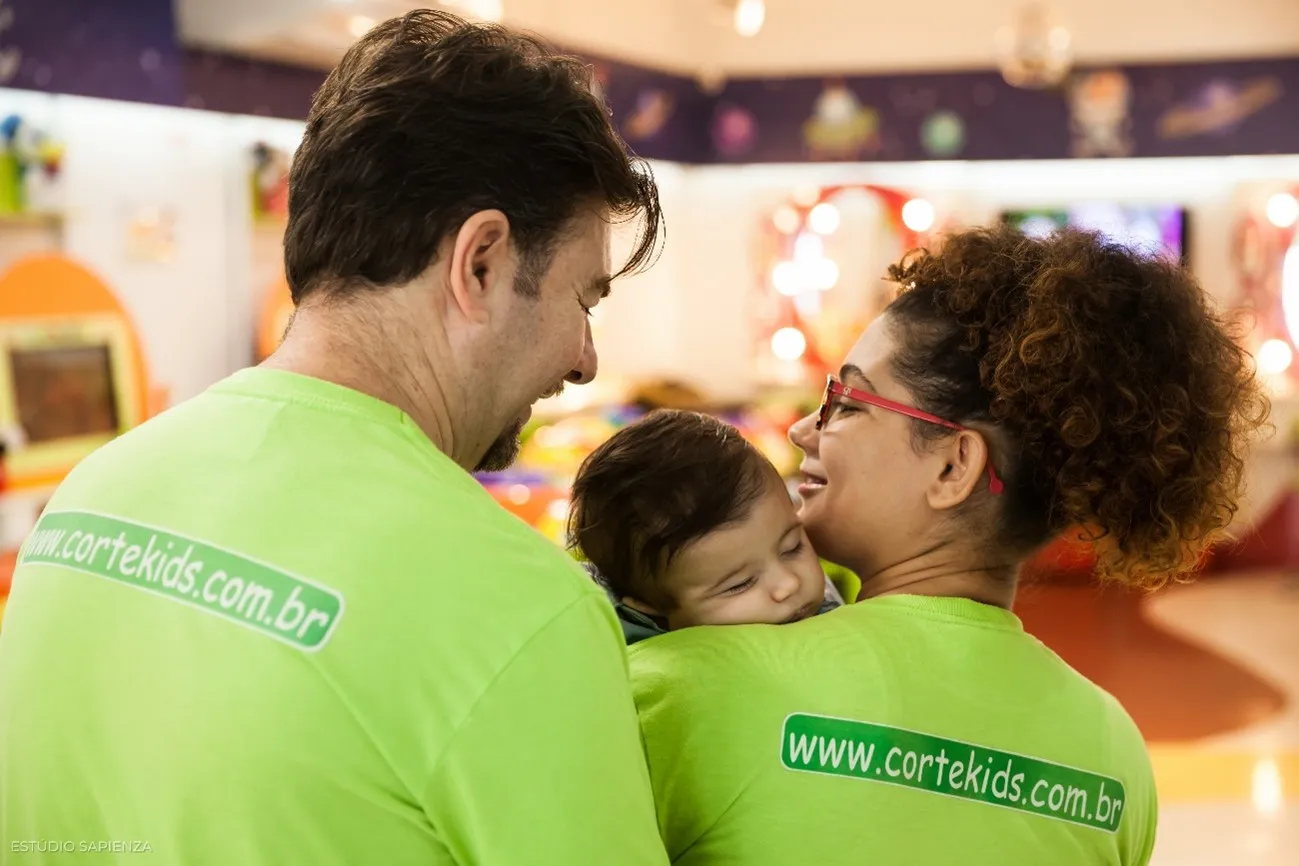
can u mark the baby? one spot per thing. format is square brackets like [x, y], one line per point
[685, 523]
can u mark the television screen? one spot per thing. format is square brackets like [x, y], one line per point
[64, 392]
[1156, 230]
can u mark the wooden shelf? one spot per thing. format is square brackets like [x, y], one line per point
[30, 220]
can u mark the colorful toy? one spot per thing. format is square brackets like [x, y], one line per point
[25, 148]
[270, 182]
[557, 449]
[536, 488]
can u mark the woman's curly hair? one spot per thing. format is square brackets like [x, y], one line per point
[1120, 401]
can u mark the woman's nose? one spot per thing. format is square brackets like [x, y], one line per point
[803, 433]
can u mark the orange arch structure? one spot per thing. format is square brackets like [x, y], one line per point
[54, 286]
[49, 301]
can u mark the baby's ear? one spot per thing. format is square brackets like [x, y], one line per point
[637, 605]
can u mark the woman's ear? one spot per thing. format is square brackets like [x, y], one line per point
[963, 463]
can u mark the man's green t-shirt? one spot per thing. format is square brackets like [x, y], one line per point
[901, 730]
[276, 625]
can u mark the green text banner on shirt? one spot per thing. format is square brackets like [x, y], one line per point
[896, 756]
[213, 579]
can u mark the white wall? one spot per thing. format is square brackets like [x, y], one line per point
[194, 309]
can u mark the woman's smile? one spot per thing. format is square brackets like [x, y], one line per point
[813, 481]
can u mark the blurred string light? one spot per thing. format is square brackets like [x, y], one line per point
[787, 278]
[1275, 357]
[806, 196]
[918, 215]
[808, 247]
[785, 219]
[1283, 210]
[822, 274]
[824, 219]
[788, 344]
[809, 270]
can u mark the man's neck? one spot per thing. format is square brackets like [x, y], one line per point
[947, 573]
[383, 359]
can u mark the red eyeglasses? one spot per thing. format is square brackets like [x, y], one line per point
[835, 388]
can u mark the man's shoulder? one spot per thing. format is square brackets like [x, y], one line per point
[388, 509]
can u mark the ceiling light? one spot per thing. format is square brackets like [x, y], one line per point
[359, 25]
[1034, 52]
[749, 16]
[487, 10]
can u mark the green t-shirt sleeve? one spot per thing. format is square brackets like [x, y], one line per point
[548, 767]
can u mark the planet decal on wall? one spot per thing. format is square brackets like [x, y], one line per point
[653, 110]
[1219, 107]
[943, 134]
[840, 126]
[734, 131]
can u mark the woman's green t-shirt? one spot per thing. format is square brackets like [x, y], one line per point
[903, 729]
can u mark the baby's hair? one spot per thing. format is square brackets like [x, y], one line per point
[655, 487]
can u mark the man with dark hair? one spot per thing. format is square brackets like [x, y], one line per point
[282, 623]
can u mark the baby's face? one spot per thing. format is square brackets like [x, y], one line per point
[760, 570]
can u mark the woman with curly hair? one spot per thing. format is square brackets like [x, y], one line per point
[1015, 390]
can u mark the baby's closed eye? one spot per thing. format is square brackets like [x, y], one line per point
[737, 588]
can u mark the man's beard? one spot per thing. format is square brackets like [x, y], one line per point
[502, 453]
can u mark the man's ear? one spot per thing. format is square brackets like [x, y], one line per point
[963, 463]
[482, 263]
